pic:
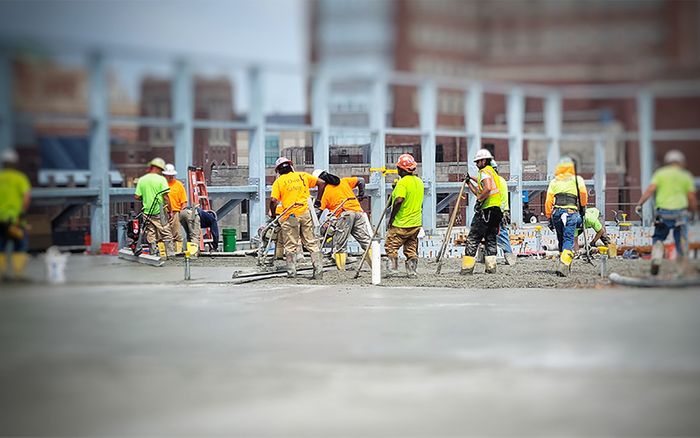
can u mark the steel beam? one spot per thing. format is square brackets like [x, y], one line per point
[552, 128]
[183, 111]
[446, 201]
[516, 113]
[6, 99]
[473, 120]
[645, 119]
[377, 122]
[227, 207]
[428, 122]
[98, 108]
[600, 176]
[320, 120]
[256, 148]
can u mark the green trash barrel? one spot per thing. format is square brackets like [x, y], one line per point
[229, 237]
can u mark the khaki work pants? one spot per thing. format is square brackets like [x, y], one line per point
[155, 231]
[355, 224]
[189, 219]
[174, 224]
[299, 229]
[398, 237]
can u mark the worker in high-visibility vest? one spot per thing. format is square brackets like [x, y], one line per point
[673, 189]
[15, 196]
[487, 217]
[562, 208]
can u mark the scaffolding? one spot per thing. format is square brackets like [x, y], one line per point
[99, 192]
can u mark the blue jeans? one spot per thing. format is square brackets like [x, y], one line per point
[504, 240]
[566, 233]
[672, 219]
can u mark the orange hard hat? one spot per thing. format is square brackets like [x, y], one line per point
[407, 162]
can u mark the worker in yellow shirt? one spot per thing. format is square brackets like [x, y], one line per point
[178, 201]
[15, 195]
[292, 189]
[487, 216]
[566, 192]
[674, 191]
[340, 200]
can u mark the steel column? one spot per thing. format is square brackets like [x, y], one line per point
[516, 112]
[6, 101]
[183, 112]
[98, 107]
[600, 176]
[473, 119]
[645, 118]
[428, 121]
[552, 128]
[256, 150]
[320, 120]
[377, 122]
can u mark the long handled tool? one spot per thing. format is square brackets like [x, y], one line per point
[374, 235]
[266, 233]
[582, 212]
[139, 228]
[448, 234]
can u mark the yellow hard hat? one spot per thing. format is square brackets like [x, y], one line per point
[157, 162]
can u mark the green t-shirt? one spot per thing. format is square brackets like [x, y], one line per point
[13, 186]
[151, 188]
[591, 219]
[673, 184]
[409, 187]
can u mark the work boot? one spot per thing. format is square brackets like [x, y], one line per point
[317, 261]
[19, 264]
[368, 260]
[511, 258]
[411, 266]
[490, 264]
[291, 265]
[392, 266]
[468, 263]
[178, 247]
[340, 259]
[657, 255]
[567, 256]
[3, 267]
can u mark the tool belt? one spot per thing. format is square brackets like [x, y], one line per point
[562, 199]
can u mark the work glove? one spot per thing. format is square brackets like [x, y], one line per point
[317, 203]
[638, 210]
[360, 196]
[506, 217]
[551, 224]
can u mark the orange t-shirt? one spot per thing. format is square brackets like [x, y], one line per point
[178, 197]
[333, 196]
[291, 188]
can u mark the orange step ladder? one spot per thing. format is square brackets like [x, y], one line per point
[199, 197]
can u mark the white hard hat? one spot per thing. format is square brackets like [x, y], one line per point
[9, 156]
[169, 170]
[483, 154]
[674, 156]
[282, 160]
[157, 162]
[316, 173]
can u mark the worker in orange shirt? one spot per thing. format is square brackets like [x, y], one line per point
[339, 198]
[292, 190]
[178, 201]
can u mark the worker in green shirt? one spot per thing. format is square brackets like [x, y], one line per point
[15, 195]
[591, 220]
[674, 191]
[406, 217]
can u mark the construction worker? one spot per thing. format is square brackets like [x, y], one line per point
[292, 190]
[674, 192]
[15, 196]
[503, 238]
[487, 217]
[193, 219]
[339, 198]
[406, 218]
[591, 221]
[152, 190]
[562, 208]
[178, 201]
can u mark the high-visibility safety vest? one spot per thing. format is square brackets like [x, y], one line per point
[503, 189]
[494, 199]
[564, 191]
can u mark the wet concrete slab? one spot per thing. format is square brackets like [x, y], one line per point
[347, 360]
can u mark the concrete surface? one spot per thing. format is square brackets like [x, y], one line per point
[304, 360]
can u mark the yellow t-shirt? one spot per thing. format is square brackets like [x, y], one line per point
[333, 196]
[13, 186]
[293, 188]
[178, 196]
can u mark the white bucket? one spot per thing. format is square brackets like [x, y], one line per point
[56, 265]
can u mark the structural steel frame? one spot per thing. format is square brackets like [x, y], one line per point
[99, 193]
